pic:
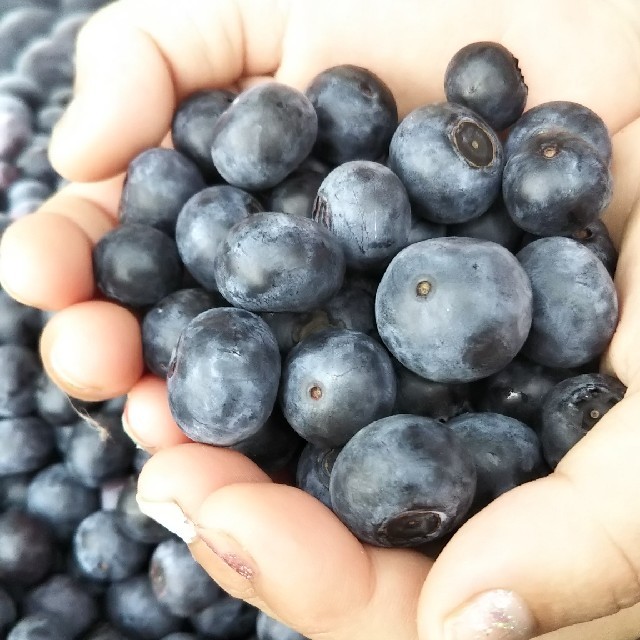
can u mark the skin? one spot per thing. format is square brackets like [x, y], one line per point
[571, 562]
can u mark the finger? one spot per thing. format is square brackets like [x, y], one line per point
[566, 546]
[178, 48]
[147, 417]
[46, 258]
[93, 350]
[282, 550]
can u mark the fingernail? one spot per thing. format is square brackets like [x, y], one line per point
[493, 615]
[57, 358]
[229, 551]
[127, 429]
[171, 517]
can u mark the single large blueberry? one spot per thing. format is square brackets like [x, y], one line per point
[403, 481]
[486, 78]
[157, 184]
[367, 208]
[13, 491]
[518, 390]
[454, 309]
[103, 553]
[193, 124]
[357, 114]
[560, 114]
[178, 581]
[136, 265]
[27, 548]
[56, 497]
[334, 383]
[224, 375]
[66, 600]
[449, 160]
[313, 472]
[575, 306]
[18, 381]
[572, 408]
[296, 194]
[506, 452]
[27, 444]
[269, 629]
[278, 262]
[263, 136]
[555, 184]
[204, 222]
[132, 607]
[162, 325]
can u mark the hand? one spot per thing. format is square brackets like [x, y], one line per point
[566, 544]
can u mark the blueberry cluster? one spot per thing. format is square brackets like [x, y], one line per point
[78, 560]
[409, 313]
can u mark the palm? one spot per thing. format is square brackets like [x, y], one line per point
[582, 50]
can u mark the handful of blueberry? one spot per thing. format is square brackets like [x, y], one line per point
[419, 304]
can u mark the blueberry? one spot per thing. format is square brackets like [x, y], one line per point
[163, 323]
[357, 114]
[98, 453]
[572, 408]
[55, 497]
[47, 62]
[66, 601]
[560, 114]
[274, 445]
[595, 237]
[13, 491]
[136, 265]
[193, 124]
[575, 306]
[18, 28]
[104, 631]
[454, 309]
[132, 608]
[353, 307]
[289, 328]
[27, 548]
[8, 611]
[203, 224]
[367, 208]
[16, 126]
[47, 118]
[141, 457]
[421, 397]
[422, 229]
[334, 383]
[180, 636]
[518, 390]
[27, 444]
[67, 27]
[33, 161]
[178, 581]
[506, 452]
[263, 136]
[313, 472]
[270, 629]
[555, 184]
[113, 405]
[277, 262]
[21, 87]
[226, 619]
[26, 189]
[60, 97]
[103, 552]
[296, 194]
[39, 626]
[403, 481]
[19, 323]
[132, 522]
[495, 225]
[486, 78]
[53, 405]
[449, 160]
[224, 375]
[157, 185]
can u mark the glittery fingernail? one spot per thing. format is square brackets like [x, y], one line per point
[229, 551]
[493, 615]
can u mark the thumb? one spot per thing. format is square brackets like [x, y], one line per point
[549, 554]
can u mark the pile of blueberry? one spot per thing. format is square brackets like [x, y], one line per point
[78, 560]
[410, 313]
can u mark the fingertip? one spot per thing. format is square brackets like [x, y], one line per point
[93, 350]
[46, 261]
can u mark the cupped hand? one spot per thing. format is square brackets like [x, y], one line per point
[562, 550]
